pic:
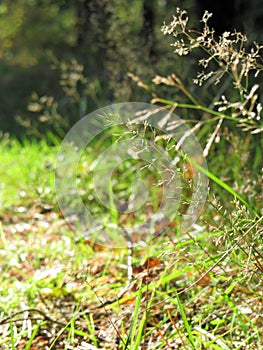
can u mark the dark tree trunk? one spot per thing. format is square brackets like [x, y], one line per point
[94, 18]
[83, 23]
[148, 33]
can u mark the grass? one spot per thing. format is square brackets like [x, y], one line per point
[200, 289]
[26, 174]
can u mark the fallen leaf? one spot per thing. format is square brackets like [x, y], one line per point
[148, 264]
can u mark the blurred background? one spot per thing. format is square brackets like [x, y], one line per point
[61, 59]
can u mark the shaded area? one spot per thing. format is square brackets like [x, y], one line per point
[108, 38]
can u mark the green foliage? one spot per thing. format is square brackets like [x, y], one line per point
[28, 29]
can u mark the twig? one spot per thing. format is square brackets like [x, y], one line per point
[42, 313]
[176, 328]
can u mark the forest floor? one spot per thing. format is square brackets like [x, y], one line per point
[200, 289]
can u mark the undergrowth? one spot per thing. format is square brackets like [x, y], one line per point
[194, 289]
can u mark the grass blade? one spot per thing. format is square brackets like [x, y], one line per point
[222, 184]
[12, 334]
[30, 341]
[186, 323]
[135, 319]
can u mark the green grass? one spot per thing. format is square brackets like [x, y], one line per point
[57, 291]
[26, 172]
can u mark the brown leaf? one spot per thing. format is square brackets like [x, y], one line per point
[129, 301]
[152, 262]
[95, 246]
[147, 265]
[205, 281]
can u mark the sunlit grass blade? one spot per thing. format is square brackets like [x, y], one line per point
[186, 323]
[33, 335]
[209, 335]
[133, 328]
[223, 185]
[12, 334]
